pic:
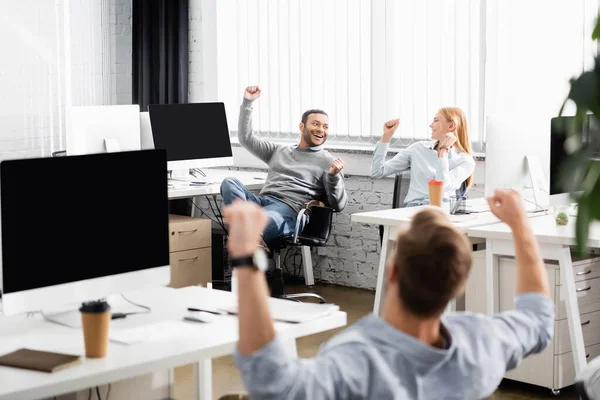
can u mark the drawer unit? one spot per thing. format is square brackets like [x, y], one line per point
[190, 267]
[553, 368]
[190, 251]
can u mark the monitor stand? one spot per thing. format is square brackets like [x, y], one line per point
[70, 315]
[179, 179]
[67, 316]
[111, 145]
[541, 198]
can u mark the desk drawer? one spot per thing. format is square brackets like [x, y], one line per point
[590, 327]
[582, 269]
[588, 298]
[191, 267]
[186, 233]
[564, 368]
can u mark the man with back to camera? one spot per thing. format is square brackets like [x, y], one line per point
[297, 174]
[412, 351]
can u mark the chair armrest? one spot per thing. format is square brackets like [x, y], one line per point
[302, 214]
[298, 222]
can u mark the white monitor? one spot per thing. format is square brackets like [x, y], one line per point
[195, 135]
[146, 131]
[101, 129]
[510, 139]
[86, 243]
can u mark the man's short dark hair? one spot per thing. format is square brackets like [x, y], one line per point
[432, 261]
[313, 111]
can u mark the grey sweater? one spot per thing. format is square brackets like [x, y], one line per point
[296, 176]
[374, 360]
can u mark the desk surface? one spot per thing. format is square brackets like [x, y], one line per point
[401, 216]
[544, 228]
[214, 339]
[213, 179]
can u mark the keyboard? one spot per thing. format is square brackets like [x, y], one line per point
[155, 332]
[291, 311]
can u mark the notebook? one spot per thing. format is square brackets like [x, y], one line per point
[44, 361]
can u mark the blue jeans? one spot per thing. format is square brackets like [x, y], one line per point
[423, 202]
[417, 203]
[282, 218]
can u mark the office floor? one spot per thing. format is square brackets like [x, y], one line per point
[357, 303]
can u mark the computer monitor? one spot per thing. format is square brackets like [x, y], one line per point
[588, 130]
[146, 131]
[510, 140]
[101, 129]
[558, 134]
[68, 240]
[195, 135]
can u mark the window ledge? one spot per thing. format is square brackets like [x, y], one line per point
[348, 148]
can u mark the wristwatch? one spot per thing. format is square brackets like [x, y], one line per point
[257, 260]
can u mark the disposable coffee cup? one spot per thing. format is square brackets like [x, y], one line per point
[95, 317]
[436, 192]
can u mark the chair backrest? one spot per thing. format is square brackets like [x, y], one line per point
[401, 185]
[317, 230]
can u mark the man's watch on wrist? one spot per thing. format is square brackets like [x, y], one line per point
[257, 260]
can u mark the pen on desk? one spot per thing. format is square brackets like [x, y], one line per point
[206, 311]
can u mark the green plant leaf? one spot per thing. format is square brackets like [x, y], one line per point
[584, 92]
[596, 33]
[582, 225]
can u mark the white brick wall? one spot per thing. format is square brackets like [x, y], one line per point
[195, 72]
[121, 25]
[351, 257]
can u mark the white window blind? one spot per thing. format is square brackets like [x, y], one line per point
[57, 55]
[428, 55]
[534, 48]
[366, 62]
[304, 54]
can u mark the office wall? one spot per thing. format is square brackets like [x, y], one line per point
[120, 21]
[351, 257]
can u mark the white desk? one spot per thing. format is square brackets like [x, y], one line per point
[213, 179]
[214, 339]
[554, 242]
[398, 218]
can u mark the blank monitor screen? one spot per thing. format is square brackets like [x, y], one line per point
[558, 133]
[67, 219]
[190, 131]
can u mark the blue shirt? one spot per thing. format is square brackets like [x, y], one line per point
[374, 360]
[424, 164]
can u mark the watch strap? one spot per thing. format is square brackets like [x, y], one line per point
[242, 262]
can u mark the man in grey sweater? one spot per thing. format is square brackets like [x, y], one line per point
[297, 174]
[413, 351]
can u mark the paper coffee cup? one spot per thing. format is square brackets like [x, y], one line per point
[436, 192]
[95, 317]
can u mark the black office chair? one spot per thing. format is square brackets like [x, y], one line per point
[315, 234]
[401, 184]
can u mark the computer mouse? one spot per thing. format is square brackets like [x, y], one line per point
[199, 316]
